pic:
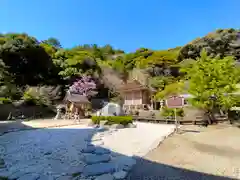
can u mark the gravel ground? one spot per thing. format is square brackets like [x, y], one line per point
[10, 126]
[76, 150]
[195, 153]
[136, 141]
[43, 152]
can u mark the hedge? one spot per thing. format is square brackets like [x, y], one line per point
[169, 112]
[124, 120]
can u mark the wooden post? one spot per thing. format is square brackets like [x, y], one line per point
[175, 102]
[176, 122]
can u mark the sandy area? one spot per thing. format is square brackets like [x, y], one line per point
[197, 153]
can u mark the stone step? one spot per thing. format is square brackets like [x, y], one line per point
[98, 169]
[105, 177]
[93, 158]
[89, 149]
[101, 151]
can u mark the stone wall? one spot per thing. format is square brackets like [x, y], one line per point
[27, 111]
[191, 113]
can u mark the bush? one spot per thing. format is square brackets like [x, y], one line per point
[4, 100]
[32, 97]
[45, 95]
[124, 120]
[169, 112]
[10, 91]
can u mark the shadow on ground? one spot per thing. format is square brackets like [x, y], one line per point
[149, 170]
[67, 152]
[9, 126]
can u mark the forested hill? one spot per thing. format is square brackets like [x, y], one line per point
[27, 61]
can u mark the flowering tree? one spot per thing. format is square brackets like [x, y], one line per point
[84, 86]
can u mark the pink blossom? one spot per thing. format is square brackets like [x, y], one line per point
[84, 86]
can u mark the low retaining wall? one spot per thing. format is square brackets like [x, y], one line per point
[27, 111]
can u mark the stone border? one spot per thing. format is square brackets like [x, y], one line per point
[159, 141]
[35, 128]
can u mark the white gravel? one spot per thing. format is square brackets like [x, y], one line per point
[57, 152]
[135, 141]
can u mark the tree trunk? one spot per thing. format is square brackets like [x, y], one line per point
[210, 117]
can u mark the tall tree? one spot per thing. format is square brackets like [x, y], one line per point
[76, 62]
[53, 42]
[212, 82]
[84, 86]
[25, 60]
[170, 89]
[223, 42]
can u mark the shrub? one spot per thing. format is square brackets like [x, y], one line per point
[124, 120]
[4, 100]
[10, 91]
[45, 95]
[32, 97]
[169, 112]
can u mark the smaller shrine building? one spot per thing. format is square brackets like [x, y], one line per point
[137, 96]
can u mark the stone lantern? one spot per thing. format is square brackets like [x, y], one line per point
[59, 112]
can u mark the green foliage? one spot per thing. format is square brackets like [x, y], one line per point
[160, 58]
[50, 50]
[10, 91]
[73, 64]
[45, 95]
[25, 61]
[124, 120]
[223, 42]
[171, 89]
[170, 112]
[212, 77]
[4, 100]
[53, 42]
[160, 82]
[32, 97]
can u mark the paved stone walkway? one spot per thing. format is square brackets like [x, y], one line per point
[59, 153]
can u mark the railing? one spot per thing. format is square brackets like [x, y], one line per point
[171, 120]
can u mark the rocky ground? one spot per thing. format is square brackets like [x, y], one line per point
[74, 152]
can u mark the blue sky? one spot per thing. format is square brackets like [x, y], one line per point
[125, 24]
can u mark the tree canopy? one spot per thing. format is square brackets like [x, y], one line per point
[27, 61]
[212, 81]
[223, 42]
